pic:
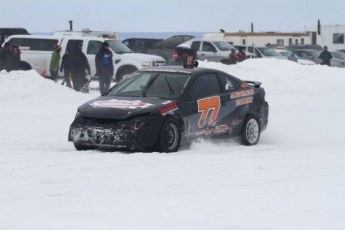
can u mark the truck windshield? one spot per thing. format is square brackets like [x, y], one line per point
[152, 84]
[224, 46]
[339, 55]
[269, 52]
[118, 47]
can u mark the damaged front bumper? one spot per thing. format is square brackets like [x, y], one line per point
[136, 133]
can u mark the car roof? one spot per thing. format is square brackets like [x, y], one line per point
[178, 69]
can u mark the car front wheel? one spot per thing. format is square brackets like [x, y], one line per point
[169, 138]
[250, 131]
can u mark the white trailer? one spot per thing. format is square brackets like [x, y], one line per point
[276, 39]
[327, 35]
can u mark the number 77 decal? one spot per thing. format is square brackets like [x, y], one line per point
[204, 106]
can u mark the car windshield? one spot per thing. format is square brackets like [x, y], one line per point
[315, 53]
[339, 55]
[269, 52]
[287, 53]
[224, 46]
[151, 84]
[118, 47]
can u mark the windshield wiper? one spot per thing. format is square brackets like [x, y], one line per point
[171, 91]
[149, 84]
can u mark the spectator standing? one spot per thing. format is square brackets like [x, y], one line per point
[241, 55]
[55, 63]
[232, 57]
[5, 57]
[78, 65]
[65, 68]
[325, 56]
[14, 60]
[104, 67]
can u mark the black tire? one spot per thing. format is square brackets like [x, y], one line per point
[81, 147]
[123, 71]
[169, 138]
[251, 129]
[24, 66]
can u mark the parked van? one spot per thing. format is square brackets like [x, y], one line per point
[37, 51]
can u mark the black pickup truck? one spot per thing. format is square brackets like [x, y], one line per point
[167, 48]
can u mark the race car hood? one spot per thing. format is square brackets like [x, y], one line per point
[121, 107]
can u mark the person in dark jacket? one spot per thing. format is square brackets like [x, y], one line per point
[65, 68]
[78, 65]
[5, 57]
[14, 61]
[241, 55]
[104, 67]
[325, 56]
[232, 57]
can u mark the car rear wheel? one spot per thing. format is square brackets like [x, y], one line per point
[250, 131]
[169, 138]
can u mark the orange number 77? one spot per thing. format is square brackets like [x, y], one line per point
[204, 105]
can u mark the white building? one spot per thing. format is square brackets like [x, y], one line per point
[276, 39]
[330, 35]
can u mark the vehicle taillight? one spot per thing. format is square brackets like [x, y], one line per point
[175, 54]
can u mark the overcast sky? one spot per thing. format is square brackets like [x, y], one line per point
[170, 15]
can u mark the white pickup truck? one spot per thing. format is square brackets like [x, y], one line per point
[37, 52]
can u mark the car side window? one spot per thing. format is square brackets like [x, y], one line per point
[304, 54]
[257, 52]
[35, 44]
[229, 83]
[204, 86]
[195, 46]
[93, 47]
[71, 44]
[126, 42]
[207, 47]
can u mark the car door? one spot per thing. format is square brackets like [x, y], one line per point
[93, 47]
[236, 97]
[208, 51]
[203, 103]
[196, 48]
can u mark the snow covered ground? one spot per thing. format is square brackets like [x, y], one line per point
[294, 179]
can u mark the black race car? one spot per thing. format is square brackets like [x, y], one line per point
[162, 108]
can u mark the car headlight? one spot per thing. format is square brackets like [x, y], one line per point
[146, 64]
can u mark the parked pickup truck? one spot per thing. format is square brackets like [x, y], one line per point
[37, 51]
[163, 48]
[216, 51]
